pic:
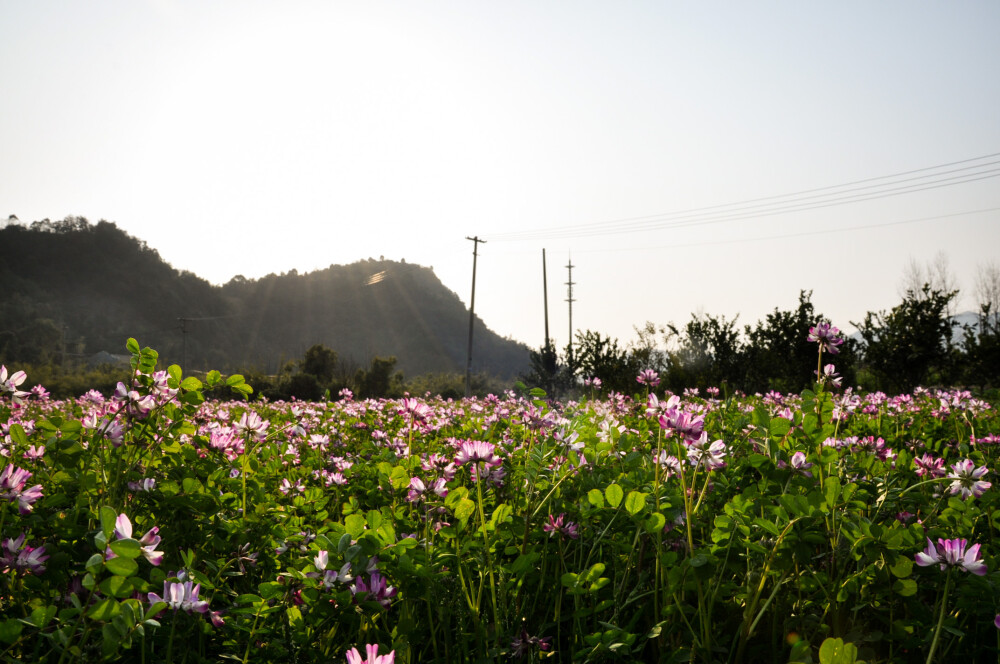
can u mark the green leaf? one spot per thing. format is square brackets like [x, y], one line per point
[831, 487]
[10, 629]
[355, 524]
[17, 435]
[779, 427]
[614, 494]
[235, 380]
[116, 586]
[126, 548]
[655, 523]
[595, 498]
[213, 378]
[132, 346]
[464, 509]
[41, 616]
[108, 519]
[190, 383]
[106, 609]
[835, 651]
[121, 566]
[635, 502]
[902, 568]
[905, 587]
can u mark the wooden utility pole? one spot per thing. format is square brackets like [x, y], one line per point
[570, 299]
[472, 313]
[184, 331]
[545, 296]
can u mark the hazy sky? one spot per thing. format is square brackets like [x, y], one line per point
[643, 140]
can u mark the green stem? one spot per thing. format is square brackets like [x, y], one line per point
[940, 622]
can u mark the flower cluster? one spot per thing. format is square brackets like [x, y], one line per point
[148, 542]
[827, 337]
[558, 526]
[15, 556]
[12, 482]
[11, 384]
[648, 377]
[952, 553]
[354, 657]
[966, 482]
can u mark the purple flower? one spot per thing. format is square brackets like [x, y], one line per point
[928, 466]
[22, 559]
[376, 589]
[952, 553]
[12, 481]
[711, 455]
[251, 423]
[475, 451]
[648, 377]
[827, 337]
[966, 479]
[354, 657]
[180, 596]
[830, 375]
[557, 526]
[149, 541]
[11, 384]
[524, 643]
[688, 425]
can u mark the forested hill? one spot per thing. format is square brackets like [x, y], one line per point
[73, 289]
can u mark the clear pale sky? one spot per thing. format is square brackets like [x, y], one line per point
[258, 137]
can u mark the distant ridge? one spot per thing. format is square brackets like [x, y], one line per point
[81, 288]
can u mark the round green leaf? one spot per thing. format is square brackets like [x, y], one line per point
[126, 548]
[614, 494]
[121, 566]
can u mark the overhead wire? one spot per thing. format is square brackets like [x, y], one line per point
[810, 199]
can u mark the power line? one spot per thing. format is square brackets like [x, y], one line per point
[892, 185]
[783, 236]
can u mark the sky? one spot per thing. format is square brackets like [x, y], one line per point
[709, 157]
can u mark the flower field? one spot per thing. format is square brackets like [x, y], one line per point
[153, 525]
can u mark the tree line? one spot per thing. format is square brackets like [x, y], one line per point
[917, 342]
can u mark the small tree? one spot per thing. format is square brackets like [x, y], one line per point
[912, 344]
[602, 357]
[709, 352]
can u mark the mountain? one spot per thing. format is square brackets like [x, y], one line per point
[71, 288]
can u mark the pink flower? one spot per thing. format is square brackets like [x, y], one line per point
[475, 451]
[648, 377]
[14, 556]
[711, 455]
[557, 526]
[827, 337]
[181, 596]
[354, 657]
[11, 384]
[375, 589]
[149, 541]
[12, 481]
[952, 553]
[967, 480]
[927, 465]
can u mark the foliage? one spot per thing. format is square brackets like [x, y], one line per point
[60, 305]
[795, 528]
[912, 344]
[597, 355]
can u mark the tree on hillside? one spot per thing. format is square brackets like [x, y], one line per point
[779, 355]
[708, 353]
[602, 357]
[912, 344]
[547, 373]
